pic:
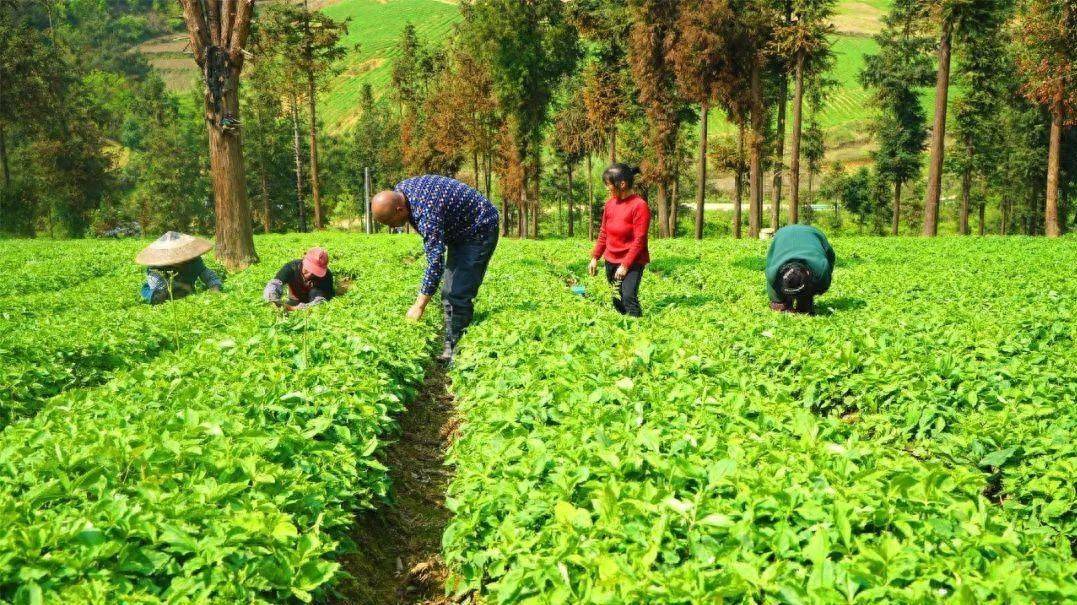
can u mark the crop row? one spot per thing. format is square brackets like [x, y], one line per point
[43, 266]
[908, 445]
[224, 471]
[79, 335]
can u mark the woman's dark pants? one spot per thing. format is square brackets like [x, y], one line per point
[629, 289]
[465, 268]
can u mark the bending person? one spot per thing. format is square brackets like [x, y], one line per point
[800, 263]
[455, 221]
[622, 239]
[173, 266]
[309, 281]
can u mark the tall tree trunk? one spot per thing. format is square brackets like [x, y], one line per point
[475, 169]
[312, 97]
[263, 178]
[221, 61]
[794, 159]
[738, 183]
[1052, 226]
[560, 216]
[234, 232]
[571, 205]
[613, 145]
[779, 155]
[701, 180]
[674, 204]
[487, 169]
[982, 212]
[590, 199]
[755, 166]
[536, 204]
[938, 134]
[315, 187]
[300, 203]
[663, 208]
[966, 192]
[3, 156]
[895, 225]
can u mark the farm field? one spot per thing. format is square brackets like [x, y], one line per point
[912, 443]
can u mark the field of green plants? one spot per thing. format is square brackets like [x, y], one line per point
[913, 443]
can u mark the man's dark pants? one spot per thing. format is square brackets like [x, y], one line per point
[629, 289]
[465, 268]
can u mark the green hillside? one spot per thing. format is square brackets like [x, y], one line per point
[375, 27]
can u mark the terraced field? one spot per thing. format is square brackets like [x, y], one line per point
[375, 27]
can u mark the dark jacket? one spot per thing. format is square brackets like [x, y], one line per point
[804, 244]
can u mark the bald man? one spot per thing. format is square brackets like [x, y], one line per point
[452, 218]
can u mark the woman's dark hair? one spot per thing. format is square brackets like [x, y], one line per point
[620, 173]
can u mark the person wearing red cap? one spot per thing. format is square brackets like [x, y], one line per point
[309, 281]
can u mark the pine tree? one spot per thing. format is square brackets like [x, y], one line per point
[894, 74]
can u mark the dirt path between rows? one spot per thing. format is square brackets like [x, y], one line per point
[399, 546]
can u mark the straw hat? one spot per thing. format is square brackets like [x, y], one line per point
[173, 248]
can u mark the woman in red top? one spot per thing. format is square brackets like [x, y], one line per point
[622, 240]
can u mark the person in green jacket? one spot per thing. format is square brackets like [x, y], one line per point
[800, 263]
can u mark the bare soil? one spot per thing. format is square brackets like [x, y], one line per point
[398, 559]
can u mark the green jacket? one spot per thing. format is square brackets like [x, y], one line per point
[799, 243]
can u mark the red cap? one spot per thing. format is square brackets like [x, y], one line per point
[316, 261]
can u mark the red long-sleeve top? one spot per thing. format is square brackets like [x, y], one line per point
[623, 236]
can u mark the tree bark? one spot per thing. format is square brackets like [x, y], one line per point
[524, 201]
[966, 187]
[738, 183]
[221, 61]
[755, 166]
[938, 135]
[673, 204]
[613, 146]
[475, 169]
[536, 205]
[3, 157]
[486, 169]
[1052, 227]
[234, 233]
[895, 225]
[779, 155]
[312, 97]
[982, 212]
[571, 205]
[701, 180]
[794, 159]
[663, 208]
[300, 204]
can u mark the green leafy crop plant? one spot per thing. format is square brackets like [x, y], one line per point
[907, 445]
[226, 470]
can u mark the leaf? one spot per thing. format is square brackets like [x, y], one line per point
[997, 457]
[568, 514]
[717, 520]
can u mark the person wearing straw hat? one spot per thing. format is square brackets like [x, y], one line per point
[800, 263]
[173, 265]
[309, 281]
